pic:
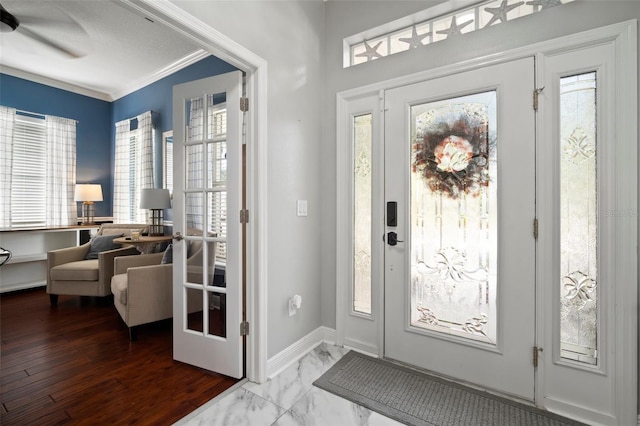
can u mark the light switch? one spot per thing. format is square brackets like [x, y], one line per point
[302, 207]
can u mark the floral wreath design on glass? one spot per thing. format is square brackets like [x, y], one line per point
[452, 150]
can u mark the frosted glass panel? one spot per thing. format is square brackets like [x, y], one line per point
[578, 218]
[454, 216]
[362, 214]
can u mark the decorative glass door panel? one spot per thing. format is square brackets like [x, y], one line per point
[454, 215]
[578, 219]
[362, 213]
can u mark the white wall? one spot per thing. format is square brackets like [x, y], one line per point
[289, 36]
[302, 42]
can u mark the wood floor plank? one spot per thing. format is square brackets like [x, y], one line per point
[74, 364]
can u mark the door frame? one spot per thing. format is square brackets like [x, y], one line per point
[255, 69]
[624, 36]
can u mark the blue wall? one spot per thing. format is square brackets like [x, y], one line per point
[95, 131]
[158, 98]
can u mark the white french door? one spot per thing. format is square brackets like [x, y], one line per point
[460, 279]
[207, 245]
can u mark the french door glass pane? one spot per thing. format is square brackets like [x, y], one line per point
[454, 216]
[362, 214]
[578, 219]
[205, 207]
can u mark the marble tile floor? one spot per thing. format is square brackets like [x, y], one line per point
[289, 399]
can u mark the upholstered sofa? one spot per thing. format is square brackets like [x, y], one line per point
[69, 272]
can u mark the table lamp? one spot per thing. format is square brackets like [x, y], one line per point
[155, 200]
[88, 193]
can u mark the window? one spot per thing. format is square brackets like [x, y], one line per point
[206, 158]
[133, 167]
[37, 170]
[436, 24]
[29, 184]
[578, 218]
[362, 141]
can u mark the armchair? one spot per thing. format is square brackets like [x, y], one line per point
[69, 272]
[143, 287]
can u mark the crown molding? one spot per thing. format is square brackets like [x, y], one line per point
[109, 97]
[161, 73]
[36, 78]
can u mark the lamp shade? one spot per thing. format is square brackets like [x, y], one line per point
[153, 198]
[88, 192]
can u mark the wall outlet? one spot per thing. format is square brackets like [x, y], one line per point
[294, 304]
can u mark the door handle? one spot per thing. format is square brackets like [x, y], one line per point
[178, 236]
[392, 239]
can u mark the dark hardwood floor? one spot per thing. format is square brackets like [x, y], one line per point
[74, 364]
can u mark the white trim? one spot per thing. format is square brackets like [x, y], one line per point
[160, 74]
[221, 46]
[623, 34]
[343, 227]
[626, 307]
[362, 347]
[292, 353]
[367, 328]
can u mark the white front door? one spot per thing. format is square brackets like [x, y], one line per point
[460, 279]
[207, 272]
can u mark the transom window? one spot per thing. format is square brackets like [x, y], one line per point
[434, 24]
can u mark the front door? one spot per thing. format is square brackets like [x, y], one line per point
[460, 254]
[207, 273]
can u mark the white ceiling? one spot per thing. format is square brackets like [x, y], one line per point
[118, 51]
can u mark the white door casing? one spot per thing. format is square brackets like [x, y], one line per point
[256, 74]
[211, 197]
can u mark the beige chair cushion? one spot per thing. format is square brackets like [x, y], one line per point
[82, 270]
[119, 287]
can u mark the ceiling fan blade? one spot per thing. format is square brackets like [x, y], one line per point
[48, 42]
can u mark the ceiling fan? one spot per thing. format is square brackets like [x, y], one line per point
[10, 23]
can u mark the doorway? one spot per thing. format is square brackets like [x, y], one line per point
[255, 128]
[492, 310]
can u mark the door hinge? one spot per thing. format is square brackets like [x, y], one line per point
[244, 328]
[536, 354]
[536, 94]
[244, 104]
[535, 228]
[244, 216]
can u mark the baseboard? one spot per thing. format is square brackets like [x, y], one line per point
[580, 413]
[362, 347]
[297, 350]
[638, 419]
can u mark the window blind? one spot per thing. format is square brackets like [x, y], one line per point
[28, 188]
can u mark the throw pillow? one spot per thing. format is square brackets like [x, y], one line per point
[101, 243]
[167, 257]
